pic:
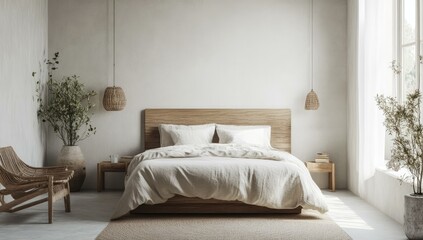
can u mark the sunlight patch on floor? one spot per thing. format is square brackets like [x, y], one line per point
[344, 216]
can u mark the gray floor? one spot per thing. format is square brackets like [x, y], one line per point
[91, 212]
[361, 220]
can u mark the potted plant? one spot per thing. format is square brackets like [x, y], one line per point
[66, 108]
[403, 121]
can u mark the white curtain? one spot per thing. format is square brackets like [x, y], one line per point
[370, 53]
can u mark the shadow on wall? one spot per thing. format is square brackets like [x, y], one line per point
[142, 122]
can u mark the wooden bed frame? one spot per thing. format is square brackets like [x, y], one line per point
[278, 119]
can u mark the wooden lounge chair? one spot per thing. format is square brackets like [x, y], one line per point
[23, 183]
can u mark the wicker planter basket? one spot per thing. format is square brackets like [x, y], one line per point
[114, 99]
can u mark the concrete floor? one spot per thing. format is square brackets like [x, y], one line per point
[361, 220]
[91, 211]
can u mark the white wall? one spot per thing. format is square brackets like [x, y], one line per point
[23, 47]
[352, 95]
[386, 193]
[206, 54]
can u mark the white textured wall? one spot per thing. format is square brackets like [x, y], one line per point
[352, 95]
[386, 193]
[23, 46]
[206, 54]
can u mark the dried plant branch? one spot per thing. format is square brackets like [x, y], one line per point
[403, 121]
[68, 106]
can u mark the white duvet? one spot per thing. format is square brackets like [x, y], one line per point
[248, 174]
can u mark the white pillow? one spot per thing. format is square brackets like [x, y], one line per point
[251, 135]
[181, 131]
[192, 136]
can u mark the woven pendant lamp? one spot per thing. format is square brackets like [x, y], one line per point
[114, 97]
[312, 101]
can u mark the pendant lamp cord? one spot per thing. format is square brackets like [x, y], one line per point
[311, 43]
[114, 39]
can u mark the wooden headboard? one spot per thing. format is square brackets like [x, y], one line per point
[278, 119]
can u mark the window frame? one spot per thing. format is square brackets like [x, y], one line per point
[398, 81]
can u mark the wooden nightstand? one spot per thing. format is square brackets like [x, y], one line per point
[324, 168]
[107, 166]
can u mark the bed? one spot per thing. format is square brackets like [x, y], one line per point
[278, 119]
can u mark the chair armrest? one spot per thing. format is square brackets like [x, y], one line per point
[50, 168]
[54, 171]
[23, 183]
[21, 187]
[59, 177]
[22, 179]
[30, 186]
[62, 176]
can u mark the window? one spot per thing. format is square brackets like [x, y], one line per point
[406, 81]
[405, 44]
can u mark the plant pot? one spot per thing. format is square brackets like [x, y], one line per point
[413, 216]
[72, 157]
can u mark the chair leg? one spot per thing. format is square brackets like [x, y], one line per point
[67, 203]
[50, 199]
[67, 199]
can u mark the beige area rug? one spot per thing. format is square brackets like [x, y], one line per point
[308, 225]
